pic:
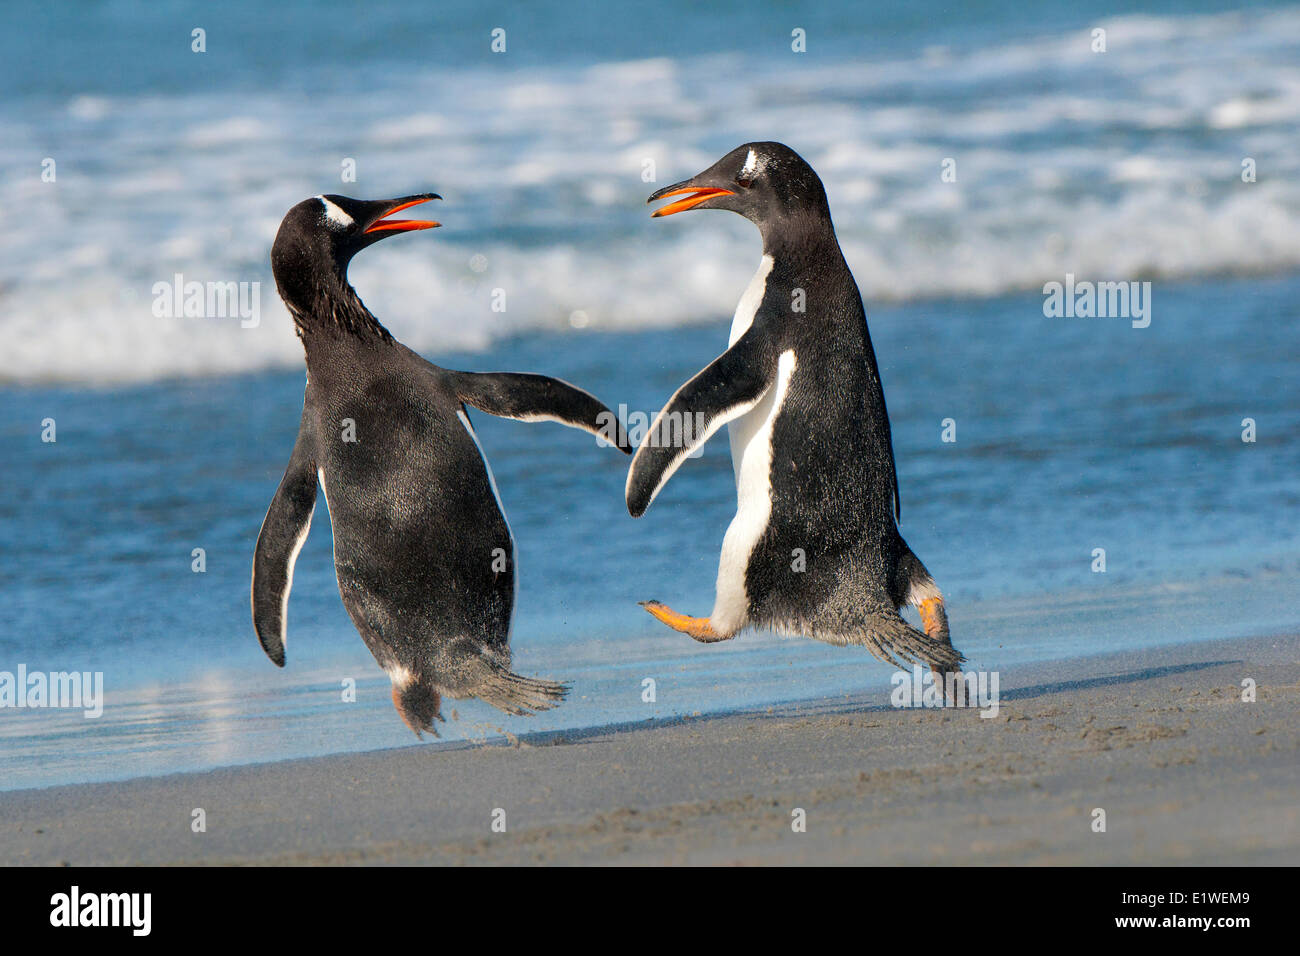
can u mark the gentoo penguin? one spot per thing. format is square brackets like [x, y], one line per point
[422, 553]
[813, 548]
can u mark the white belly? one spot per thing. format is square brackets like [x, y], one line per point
[750, 301]
[742, 430]
[751, 457]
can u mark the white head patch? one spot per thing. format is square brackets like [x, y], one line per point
[751, 165]
[335, 215]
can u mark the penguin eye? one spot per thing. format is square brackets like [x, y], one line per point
[744, 182]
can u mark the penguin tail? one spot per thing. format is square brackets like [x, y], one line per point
[894, 641]
[518, 695]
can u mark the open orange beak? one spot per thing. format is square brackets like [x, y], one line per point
[698, 195]
[385, 224]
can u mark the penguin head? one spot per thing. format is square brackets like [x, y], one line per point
[767, 183]
[319, 236]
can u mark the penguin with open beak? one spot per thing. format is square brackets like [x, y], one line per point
[424, 558]
[814, 548]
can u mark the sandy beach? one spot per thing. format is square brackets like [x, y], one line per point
[1161, 740]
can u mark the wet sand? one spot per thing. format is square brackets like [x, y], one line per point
[1186, 772]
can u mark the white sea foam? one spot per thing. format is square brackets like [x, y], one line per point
[1108, 166]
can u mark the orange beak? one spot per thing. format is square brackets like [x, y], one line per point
[699, 195]
[402, 225]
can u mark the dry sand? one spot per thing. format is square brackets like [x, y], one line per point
[1186, 771]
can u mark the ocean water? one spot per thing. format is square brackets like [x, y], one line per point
[1108, 165]
[1072, 434]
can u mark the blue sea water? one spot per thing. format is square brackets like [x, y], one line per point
[1071, 434]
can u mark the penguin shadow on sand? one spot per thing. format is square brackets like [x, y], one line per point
[424, 558]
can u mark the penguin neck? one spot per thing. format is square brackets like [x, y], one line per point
[801, 236]
[331, 308]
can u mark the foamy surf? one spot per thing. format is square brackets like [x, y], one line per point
[1067, 161]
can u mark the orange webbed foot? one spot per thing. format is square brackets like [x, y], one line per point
[697, 627]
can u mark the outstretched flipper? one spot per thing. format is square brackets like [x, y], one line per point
[283, 532]
[727, 388]
[539, 398]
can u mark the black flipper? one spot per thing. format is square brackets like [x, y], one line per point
[283, 532]
[727, 388]
[539, 398]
